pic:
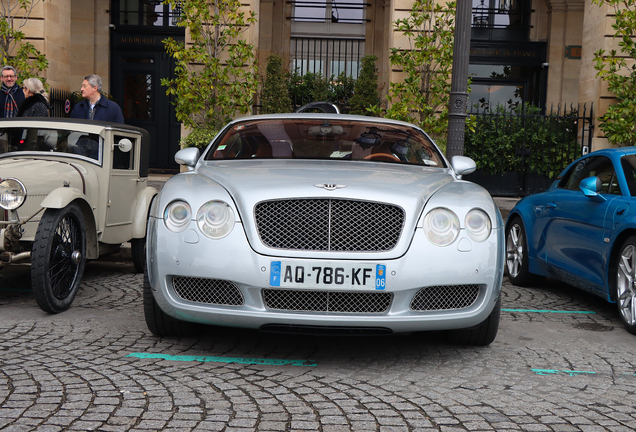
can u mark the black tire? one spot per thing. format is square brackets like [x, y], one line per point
[138, 251]
[624, 270]
[158, 322]
[58, 257]
[482, 334]
[517, 253]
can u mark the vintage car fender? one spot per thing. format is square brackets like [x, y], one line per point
[63, 196]
[142, 210]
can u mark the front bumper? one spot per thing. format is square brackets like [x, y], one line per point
[191, 255]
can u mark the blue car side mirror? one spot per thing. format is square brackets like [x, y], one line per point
[591, 187]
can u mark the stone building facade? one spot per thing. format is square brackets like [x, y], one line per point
[538, 51]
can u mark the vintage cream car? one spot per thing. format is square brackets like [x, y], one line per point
[70, 190]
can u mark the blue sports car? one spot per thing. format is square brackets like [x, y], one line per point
[582, 230]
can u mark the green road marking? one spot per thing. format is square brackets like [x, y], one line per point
[255, 361]
[547, 311]
[556, 372]
[572, 373]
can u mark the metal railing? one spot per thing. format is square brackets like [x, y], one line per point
[521, 151]
[326, 56]
[58, 101]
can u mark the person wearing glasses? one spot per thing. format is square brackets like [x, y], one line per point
[36, 100]
[95, 105]
[10, 95]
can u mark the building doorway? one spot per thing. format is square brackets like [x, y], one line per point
[138, 63]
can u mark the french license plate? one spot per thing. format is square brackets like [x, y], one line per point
[287, 274]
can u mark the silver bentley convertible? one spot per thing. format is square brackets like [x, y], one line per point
[320, 223]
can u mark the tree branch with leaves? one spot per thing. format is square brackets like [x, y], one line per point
[422, 96]
[215, 73]
[14, 50]
[618, 69]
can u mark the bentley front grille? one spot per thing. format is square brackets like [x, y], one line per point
[324, 224]
[327, 301]
[209, 291]
[445, 297]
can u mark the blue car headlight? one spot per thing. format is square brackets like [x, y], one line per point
[441, 226]
[177, 216]
[215, 219]
[478, 225]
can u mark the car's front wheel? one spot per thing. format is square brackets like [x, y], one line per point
[482, 334]
[517, 253]
[625, 289]
[158, 322]
[58, 257]
[138, 251]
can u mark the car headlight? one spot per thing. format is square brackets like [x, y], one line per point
[12, 194]
[441, 226]
[215, 219]
[477, 225]
[177, 216]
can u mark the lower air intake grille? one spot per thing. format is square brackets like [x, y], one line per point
[327, 301]
[209, 291]
[445, 297]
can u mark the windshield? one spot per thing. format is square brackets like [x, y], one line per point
[322, 139]
[13, 140]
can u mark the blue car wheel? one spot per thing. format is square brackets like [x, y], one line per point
[517, 253]
[625, 284]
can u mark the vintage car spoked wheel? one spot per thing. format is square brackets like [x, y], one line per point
[517, 253]
[58, 257]
[625, 284]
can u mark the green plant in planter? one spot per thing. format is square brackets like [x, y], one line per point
[199, 138]
[520, 139]
[366, 97]
[275, 94]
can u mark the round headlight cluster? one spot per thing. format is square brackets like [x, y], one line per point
[177, 216]
[12, 194]
[215, 219]
[477, 225]
[441, 226]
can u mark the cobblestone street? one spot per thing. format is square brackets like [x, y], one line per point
[561, 362]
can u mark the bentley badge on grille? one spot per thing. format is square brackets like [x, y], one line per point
[330, 187]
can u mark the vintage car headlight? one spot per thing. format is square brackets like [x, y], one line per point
[177, 216]
[215, 219]
[477, 225]
[441, 226]
[12, 194]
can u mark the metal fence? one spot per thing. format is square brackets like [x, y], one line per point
[521, 151]
[326, 56]
[60, 103]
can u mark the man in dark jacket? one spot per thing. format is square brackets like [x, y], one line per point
[11, 95]
[96, 106]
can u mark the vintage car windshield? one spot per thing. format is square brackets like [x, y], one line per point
[326, 139]
[14, 140]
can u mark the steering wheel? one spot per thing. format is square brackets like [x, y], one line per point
[386, 156]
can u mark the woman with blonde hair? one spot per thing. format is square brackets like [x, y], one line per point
[36, 100]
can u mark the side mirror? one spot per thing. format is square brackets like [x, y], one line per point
[125, 145]
[463, 165]
[188, 157]
[591, 186]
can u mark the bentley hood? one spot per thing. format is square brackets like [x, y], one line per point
[247, 183]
